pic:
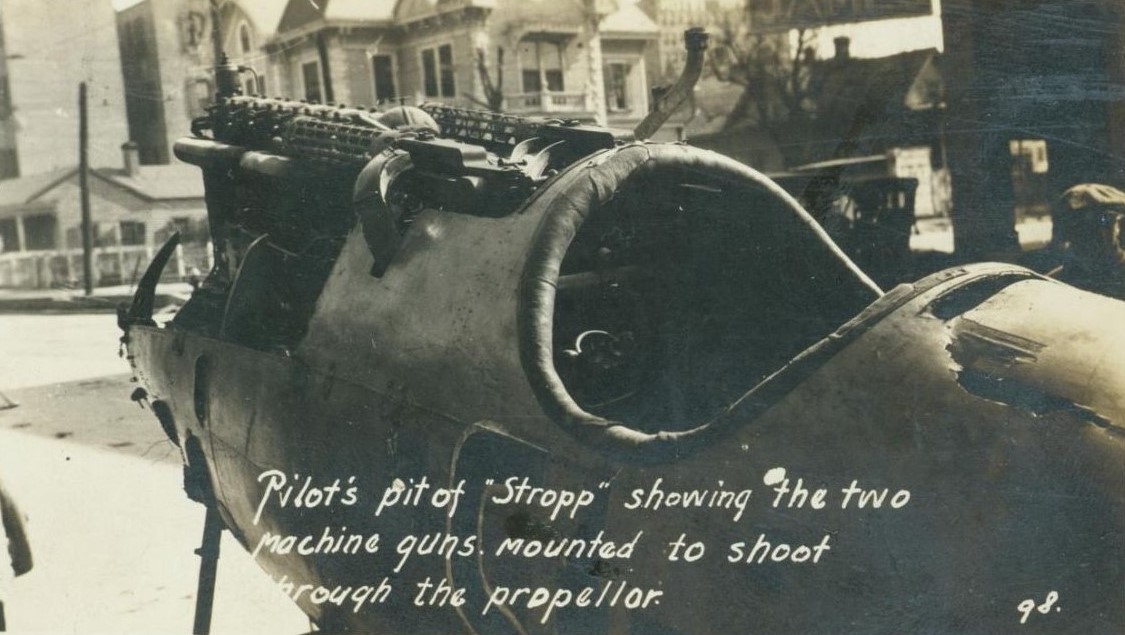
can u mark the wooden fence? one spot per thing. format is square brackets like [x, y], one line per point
[114, 265]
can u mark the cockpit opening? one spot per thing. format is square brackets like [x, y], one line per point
[684, 282]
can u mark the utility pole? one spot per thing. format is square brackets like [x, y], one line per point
[84, 192]
[217, 33]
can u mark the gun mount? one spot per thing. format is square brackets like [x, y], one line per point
[472, 297]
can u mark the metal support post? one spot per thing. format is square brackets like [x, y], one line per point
[208, 553]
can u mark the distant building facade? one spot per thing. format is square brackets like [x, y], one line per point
[135, 209]
[535, 55]
[46, 50]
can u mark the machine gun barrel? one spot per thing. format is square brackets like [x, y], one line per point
[331, 142]
[340, 136]
[500, 132]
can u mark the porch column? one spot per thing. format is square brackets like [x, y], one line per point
[595, 11]
[539, 68]
[181, 270]
[21, 237]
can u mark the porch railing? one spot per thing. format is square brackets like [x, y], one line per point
[117, 264]
[545, 102]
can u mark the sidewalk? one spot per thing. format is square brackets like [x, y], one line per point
[112, 532]
[113, 536]
[103, 300]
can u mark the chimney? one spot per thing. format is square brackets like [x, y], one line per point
[843, 46]
[131, 157]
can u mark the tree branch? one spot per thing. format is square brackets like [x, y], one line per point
[493, 91]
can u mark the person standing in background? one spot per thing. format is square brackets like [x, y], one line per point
[1089, 235]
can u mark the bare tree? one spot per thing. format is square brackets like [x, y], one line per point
[493, 90]
[591, 13]
[773, 70]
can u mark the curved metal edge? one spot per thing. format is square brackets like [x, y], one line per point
[615, 439]
[144, 299]
[376, 218]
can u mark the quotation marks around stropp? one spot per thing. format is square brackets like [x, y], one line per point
[516, 490]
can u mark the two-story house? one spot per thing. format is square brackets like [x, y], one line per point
[568, 58]
[134, 209]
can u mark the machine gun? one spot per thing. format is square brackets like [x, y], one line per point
[468, 159]
[293, 174]
[463, 160]
[340, 136]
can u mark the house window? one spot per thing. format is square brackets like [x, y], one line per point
[39, 230]
[310, 75]
[9, 236]
[193, 28]
[617, 97]
[132, 232]
[429, 72]
[193, 231]
[244, 39]
[445, 65]
[199, 93]
[1030, 155]
[254, 86]
[384, 75]
[105, 235]
[541, 63]
[437, 71]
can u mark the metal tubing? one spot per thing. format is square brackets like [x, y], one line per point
[695, 41]
[208, 553]
[84, 191]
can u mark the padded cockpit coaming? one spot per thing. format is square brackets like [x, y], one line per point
[665, 282]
